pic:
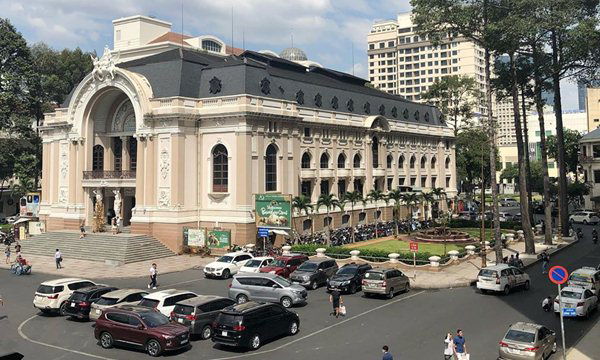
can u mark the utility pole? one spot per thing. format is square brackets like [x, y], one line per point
[482, 235]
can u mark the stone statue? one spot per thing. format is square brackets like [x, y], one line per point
[99, 217]
[118, 202]
[104, 67]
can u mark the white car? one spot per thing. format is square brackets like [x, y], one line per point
[165, 300]
[227, 265]
[254, 265]
[586, 277]
[508, 202]
[114, 298]
[504, 216]
[52, 296]
[502, 278]
[576, 301]
[585, 217]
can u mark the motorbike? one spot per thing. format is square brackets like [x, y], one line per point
[7, 238]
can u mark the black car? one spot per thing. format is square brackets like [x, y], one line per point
[251, 323]
[314, 272]
[348, 278]
[198, 313]
[79, 303]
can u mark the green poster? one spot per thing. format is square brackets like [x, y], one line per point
[273, 211]
[219, 238]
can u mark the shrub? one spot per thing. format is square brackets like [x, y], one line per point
[368, 254]
[462, 223]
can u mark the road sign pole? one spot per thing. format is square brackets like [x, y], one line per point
[562, 323]
[414, 265]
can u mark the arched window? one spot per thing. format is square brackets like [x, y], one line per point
[389, 161]
[423, 162]
[377, 214]
[324, 162]
[98, 158]
[341, 161]
[412, 162]
[433, 162]
[220, 171]
[375, 152]
[306, 225]
[356, 162]
[327, 221]
[401, 162]
[210, 45]
[345, 220]
[271, 168]
[305, 161]
[448, 162]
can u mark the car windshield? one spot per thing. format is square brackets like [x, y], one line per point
[278, 263]
[225, 259]
[283, 281]
[487, 272]
[347, 270]
[520, 336]
[566, 294]
[107, 301]
[308, 266]
[151, 303]
[580, 278]
[374, 276]
[253, 263]
[183, 309]
[78, 296]
[153, 320]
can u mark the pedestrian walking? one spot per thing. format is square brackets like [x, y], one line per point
[518, 262]
[58, 259]
[336, 299]
[7, 254]
[460, 348]
[386, 353]
[545, 261]
[511, 261]
[113, 223]
[81, 230]
[448, 347]
[547, 304]
[153, 275]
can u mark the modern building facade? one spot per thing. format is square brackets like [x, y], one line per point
[590, 162]
[181, 134]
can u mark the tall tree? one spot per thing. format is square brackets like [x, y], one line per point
[472, 147]
[396, 196]
[410, 199]
[329, 201]
[352, 197]
[456, 96]
[571, 146]
[302, 203]
[438, 194]
[375, 196]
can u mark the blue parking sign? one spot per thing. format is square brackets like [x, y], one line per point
[263, 232]
[569, 312]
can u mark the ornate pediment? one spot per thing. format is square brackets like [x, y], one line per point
[104, 67]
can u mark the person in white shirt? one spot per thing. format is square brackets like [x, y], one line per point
[449, 347]
[153, 274]
[547, 303]
[58, 259]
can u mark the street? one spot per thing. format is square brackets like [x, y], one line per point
[412, 324]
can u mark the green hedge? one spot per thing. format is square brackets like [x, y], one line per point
[340, 251]
[462, 223]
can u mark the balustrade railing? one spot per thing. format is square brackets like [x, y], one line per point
[109, 174]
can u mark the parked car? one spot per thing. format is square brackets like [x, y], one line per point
[199, 313]
[348, 278]
[503, 216]
[165, 300]
[285, 265]
[502, 278]
[384, 281]
[527, 341]
[576, 301]
[587, 277]
[314, 273]
[117, 297]
[254, 265]
[250, 324]
[52, 296]
[79, 303]
[227, 265]
[268, 288]
[584, 217]
[467, 215]
[508, 202]
[140, 327]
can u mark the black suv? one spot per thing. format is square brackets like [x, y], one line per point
[313, 273]
[79, 303]
[251, 323]
[348, 278]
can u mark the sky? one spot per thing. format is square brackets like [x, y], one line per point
[327, 30]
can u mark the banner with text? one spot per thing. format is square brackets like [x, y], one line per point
[273, 211]
[219, 238]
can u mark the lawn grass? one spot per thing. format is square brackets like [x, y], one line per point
[5, 227]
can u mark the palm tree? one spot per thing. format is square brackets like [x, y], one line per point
[439, 194]
[410, 199]
[375, 196]
[396, 195]
[302, 203]
[352, 197]
[427, 199]
[330, 202]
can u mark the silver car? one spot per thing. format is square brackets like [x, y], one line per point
[117, 297]
[266, 287]
[527, 341]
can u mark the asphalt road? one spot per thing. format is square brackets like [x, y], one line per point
[412, 324]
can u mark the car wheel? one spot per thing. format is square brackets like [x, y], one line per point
[62, 310]
[390, 294]
[153, 348]
[506, 290]
[527, 285]
[206, 332]
[407, 287]
[353, 289]
[286, 302]
[313, 285]
[225, 274]
[293, 328]
[255, 342]
[106, 340]
[241, 299]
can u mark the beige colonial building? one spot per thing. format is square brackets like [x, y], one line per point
[181, 133]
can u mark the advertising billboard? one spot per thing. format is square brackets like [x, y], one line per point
[273, 211]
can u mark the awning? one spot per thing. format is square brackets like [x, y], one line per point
[279, 232]
[21, 220]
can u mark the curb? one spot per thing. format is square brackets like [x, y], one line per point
[558, 249]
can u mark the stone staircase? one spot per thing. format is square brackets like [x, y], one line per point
[114, 249]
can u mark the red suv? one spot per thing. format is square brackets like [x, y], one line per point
[284, 265]
[141, 327]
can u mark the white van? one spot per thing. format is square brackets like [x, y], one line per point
[501, 278]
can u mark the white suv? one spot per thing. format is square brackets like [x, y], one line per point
[227, 265]
[501, 278]
[165, 300]
[585, 217]
[52, 295]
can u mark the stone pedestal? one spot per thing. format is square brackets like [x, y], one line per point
[286, 249]
[394, 257]
[320, 252]
[470, 249]
[434, 261]
[354, 255]
[453, 255]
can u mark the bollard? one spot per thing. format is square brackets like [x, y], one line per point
[394, 257]
[434, 261]
[354, 255]
[453, 255]
[470, 249]
[285, 250]
[320, 252]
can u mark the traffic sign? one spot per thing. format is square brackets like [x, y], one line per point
[558, 275]
[263, 232]
[414, 246]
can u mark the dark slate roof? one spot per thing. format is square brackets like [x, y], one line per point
[183, 72]
[592, 135]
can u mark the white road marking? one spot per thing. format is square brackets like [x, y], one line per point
[20, 330]
[321, 330]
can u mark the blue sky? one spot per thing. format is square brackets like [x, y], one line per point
[325, 29]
